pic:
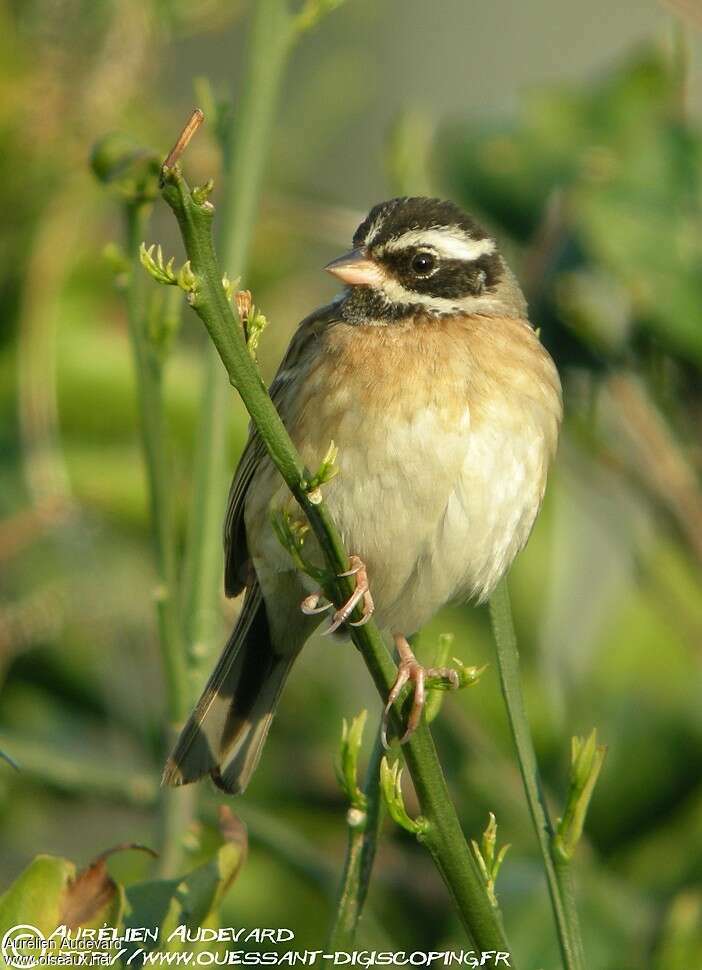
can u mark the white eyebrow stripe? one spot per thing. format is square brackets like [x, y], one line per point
[449, 243]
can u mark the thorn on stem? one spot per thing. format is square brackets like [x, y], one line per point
[183, 140]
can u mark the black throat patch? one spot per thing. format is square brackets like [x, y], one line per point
[361, 304]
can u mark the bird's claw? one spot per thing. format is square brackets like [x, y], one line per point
[362, 594]
[410, 669]
[310, 605]
[355, 569]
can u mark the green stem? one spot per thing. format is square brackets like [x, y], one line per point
[566, 888]
[72, 773]
[202, 568]
[177, 807]
[130, 785]
[149, 382]
[558, 876]
[154, 435]
[244, 151]
[444, 837]
[360, 855]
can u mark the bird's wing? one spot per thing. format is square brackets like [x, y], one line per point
[236, 555]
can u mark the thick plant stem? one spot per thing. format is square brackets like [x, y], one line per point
[443, 836]
[360, 855]
[149, 377]
[558, 876]
[177, 809]
[244, 151]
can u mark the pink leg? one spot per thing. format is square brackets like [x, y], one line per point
[409, 669]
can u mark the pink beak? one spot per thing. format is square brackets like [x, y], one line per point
[356, 269]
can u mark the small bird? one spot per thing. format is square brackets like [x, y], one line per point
[445, 408]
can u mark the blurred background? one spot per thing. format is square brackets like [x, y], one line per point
[573, 133]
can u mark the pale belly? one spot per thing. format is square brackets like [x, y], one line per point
[436, 515]
[440, 478]
[450, 528]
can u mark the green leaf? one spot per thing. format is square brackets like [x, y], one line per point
[36, 895]
[391, 787]
[488, 857]
[586, 760]
[194, 900]
[151, 903]
[347, 765]
[49, 893]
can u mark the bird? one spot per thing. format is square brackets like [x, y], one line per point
[445, 408]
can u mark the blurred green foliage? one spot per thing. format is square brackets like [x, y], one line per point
[594, 190]
[50, 893]
[629, 168]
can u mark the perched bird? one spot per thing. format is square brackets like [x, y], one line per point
[445, 407]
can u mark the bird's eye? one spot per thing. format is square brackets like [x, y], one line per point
[423, 264]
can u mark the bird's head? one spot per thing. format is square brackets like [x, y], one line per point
[424, 255]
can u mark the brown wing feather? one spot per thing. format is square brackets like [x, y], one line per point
[236, 554]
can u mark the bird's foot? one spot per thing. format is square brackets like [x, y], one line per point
[310, 604]
[411, 670]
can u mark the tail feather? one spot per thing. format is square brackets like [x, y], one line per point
[226, 731]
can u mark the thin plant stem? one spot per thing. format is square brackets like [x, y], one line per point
[558, 874]
[175, 809]
[360, 855]
[130, 785]
[244, 150]
[202, 568]
[443, 835]
[73, 773]
[363, 834]
[149, 378]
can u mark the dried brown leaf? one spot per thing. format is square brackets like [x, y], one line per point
[93, 890]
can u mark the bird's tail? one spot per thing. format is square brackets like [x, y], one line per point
[226, 731]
